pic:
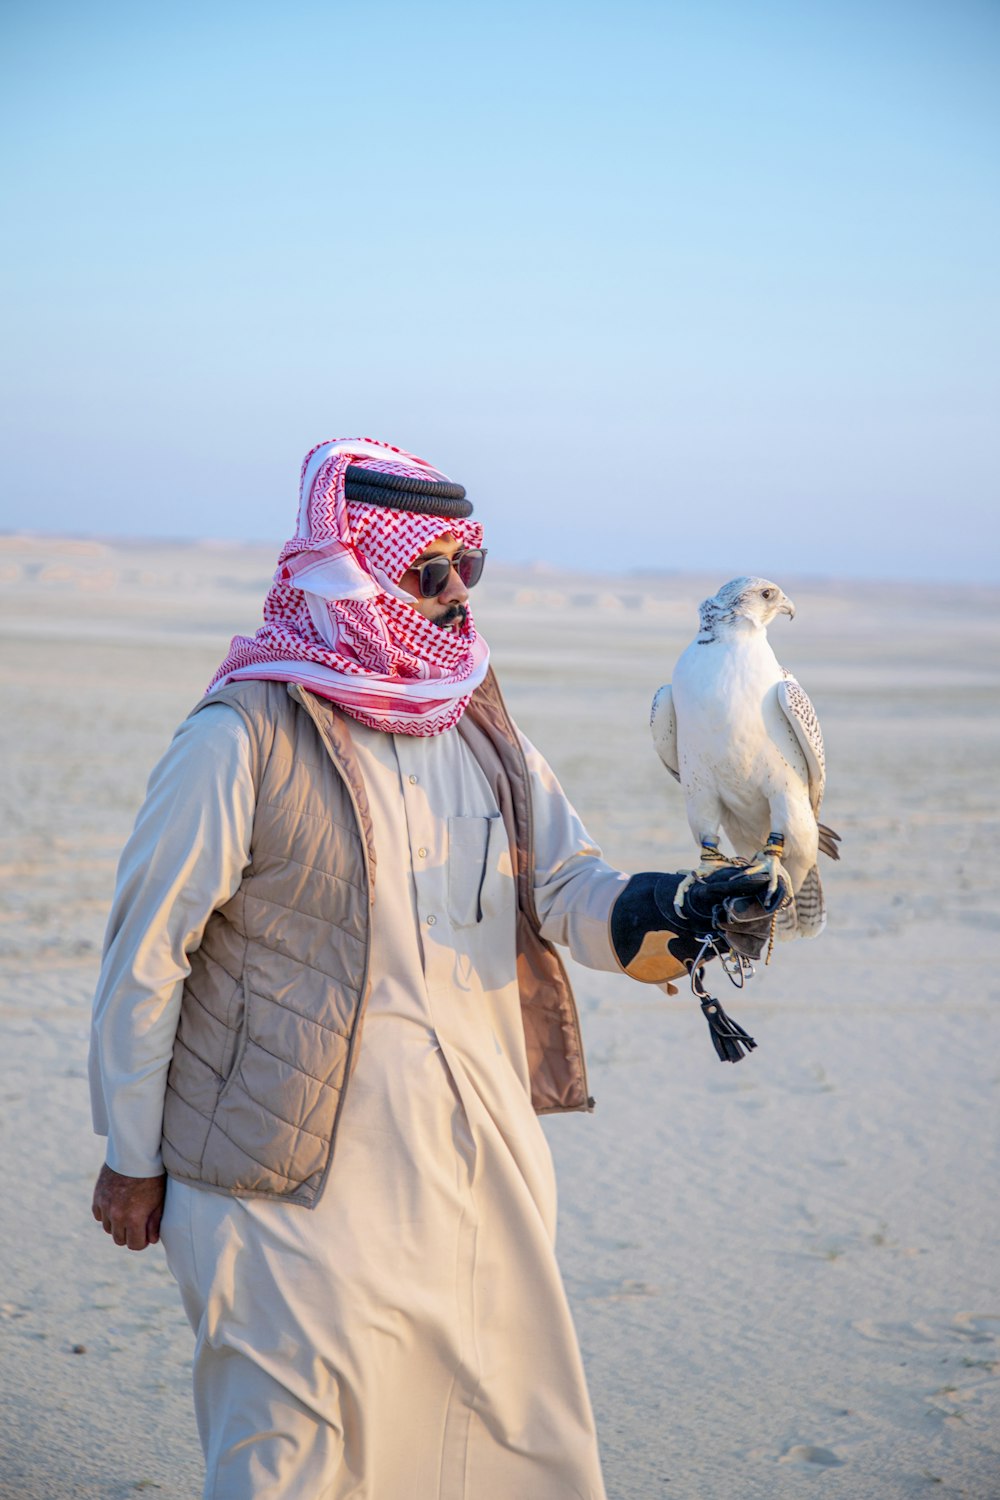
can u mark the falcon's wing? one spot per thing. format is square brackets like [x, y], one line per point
[663, 725]
[795, 705]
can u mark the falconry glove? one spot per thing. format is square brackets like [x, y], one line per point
[726, 912]
[654, 941]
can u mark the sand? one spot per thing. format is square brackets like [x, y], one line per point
[784, 1273]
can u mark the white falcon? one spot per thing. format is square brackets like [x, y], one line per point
[742, 738]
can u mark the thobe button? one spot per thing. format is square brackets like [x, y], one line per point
[412, 780]
[431, 920]
[422, 852]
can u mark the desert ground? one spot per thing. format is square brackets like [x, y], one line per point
[784, 1273]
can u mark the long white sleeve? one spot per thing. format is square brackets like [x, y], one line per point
[185, 857]
[575, 888]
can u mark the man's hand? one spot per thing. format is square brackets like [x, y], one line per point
[734, 902]
[655, 942]
[130, 1208]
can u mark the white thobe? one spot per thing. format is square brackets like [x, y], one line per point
[409, 1337]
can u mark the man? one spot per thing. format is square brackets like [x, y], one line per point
[330, 1012]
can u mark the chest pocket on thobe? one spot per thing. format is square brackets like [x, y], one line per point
[480, 877]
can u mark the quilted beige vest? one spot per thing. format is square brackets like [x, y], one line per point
[272, 1011]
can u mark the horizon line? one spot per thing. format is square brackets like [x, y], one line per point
[540, 566]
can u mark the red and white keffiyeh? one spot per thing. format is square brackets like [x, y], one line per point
[335, 618]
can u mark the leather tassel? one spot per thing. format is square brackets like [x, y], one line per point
[731, 1042]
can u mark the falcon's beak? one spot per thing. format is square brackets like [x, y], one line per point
[787, 608]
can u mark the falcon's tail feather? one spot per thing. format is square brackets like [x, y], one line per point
[810, 908]
[828, 841]
[786, 927]
[805, 914]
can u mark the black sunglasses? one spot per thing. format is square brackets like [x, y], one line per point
[435, 572]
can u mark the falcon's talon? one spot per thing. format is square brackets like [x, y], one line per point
[683, 889]
[711, 860]
[769, 863]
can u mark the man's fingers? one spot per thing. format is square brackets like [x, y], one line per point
[136, 1237]
[129, 1207]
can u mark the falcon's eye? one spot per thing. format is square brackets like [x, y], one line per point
[766, 593]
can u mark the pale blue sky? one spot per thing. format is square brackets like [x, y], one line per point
[697, 285]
